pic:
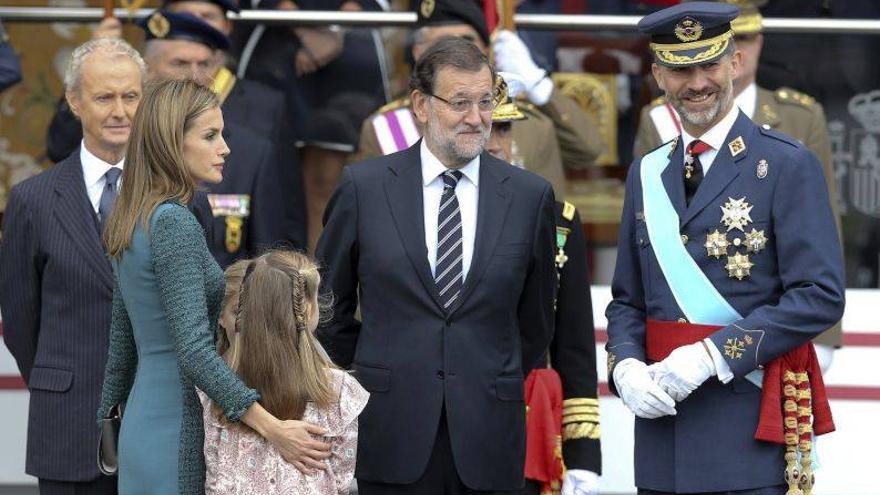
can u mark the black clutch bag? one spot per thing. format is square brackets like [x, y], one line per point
[108, 460]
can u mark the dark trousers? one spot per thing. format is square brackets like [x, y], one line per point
[439, 478]
[103, 485]
[767, 490]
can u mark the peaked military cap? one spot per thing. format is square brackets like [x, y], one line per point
[690, 33]
[164, 25]
[444, 12]
[226, 5]
[506, 109]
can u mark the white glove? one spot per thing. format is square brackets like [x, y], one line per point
[580, 482]
[512, 55]
[639, 392]
[685, 369]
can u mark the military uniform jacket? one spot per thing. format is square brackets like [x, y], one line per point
[554, 137]
[247, 206]
[572, 351]
[793, 291]
[787, 111]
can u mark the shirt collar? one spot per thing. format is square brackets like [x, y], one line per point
[432, 167]
[715, 136]
[93, 167]
[747, 101]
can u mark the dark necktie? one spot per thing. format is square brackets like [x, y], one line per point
[448, 274]
[108, 197]
[693, 169]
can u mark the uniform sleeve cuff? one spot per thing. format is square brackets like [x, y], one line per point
[722, 370]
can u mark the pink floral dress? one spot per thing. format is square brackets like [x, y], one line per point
[239, 461]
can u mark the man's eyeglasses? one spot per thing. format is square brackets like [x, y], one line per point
[462, 105]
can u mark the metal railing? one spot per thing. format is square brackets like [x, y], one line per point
[556, 22]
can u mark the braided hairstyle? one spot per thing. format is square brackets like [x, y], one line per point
[275, 350]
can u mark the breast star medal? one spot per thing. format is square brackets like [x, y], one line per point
[738, 266]
[736, 214]
[755, 241]
[716, 244]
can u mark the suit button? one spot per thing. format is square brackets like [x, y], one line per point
[682, 320]
[440, 374]
[684, 238]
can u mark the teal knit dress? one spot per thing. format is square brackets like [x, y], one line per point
[166, 304]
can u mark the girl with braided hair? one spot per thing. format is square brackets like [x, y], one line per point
[271, 310]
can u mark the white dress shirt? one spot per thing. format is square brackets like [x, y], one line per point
[714, 137]
[93, 173]
[467, 191]
[747, 101]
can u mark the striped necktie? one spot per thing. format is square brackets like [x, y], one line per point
[449, 270]
[108, 197]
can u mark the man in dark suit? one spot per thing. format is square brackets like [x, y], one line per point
[449, 253]
[55, 279]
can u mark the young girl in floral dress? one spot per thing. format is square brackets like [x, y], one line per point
[271, 310]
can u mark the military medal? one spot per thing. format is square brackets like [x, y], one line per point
[736, 214]
[716, 244]
[756, 241]
[739, 266]
[737, 146]
[688, 166]
[762, 169]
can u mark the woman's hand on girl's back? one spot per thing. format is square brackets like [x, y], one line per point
[295, 441]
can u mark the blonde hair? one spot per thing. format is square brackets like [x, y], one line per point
[155, 169]
[274, 351]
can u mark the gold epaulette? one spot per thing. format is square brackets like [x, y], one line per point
[580, 418]
[394, 105]
[788, 95]
[568, 211]
[656, 102]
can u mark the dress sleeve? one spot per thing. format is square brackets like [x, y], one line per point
[178, 248]
[121, 359]
[353, 398]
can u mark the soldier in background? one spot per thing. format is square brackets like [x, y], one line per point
[784, 110]
[562, 398]
[558, 135]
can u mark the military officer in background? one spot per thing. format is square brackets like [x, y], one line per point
[248, 104]
[728, 264]
[558, 135]
[562, 398]
[785, 110]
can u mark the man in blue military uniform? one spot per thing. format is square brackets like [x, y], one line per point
[728, 263]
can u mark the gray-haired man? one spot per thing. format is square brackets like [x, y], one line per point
[55, 279]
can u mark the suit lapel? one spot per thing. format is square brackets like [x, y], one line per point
[492, 207]
[723, 170]
[74, 212]
[673, 180]
[403, 189]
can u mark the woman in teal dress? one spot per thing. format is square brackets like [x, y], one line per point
[166, 304]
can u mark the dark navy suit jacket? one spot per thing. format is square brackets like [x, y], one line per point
[794, 292]
[416, 359]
